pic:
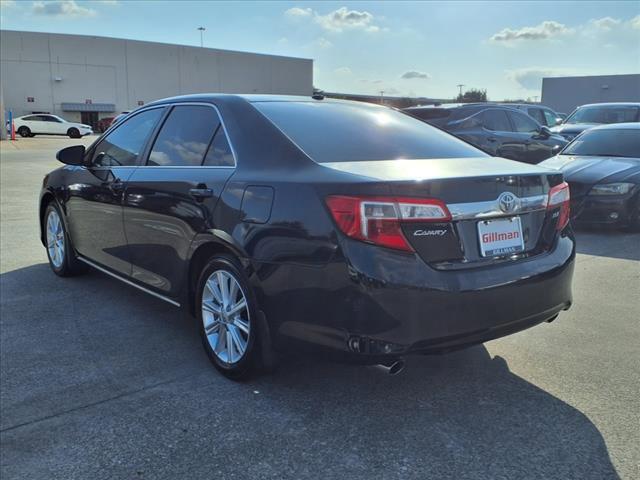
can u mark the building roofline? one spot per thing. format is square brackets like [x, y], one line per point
[156, 43]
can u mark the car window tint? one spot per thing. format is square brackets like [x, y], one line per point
[550, 118]
[522, 123]
[604, 114]
[184, 137]
[31, 118]
[347, 132]
[124, 144]
[537, 114]
[608, 142]
[220, 154]
[496, 120]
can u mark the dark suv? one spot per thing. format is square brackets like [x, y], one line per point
[498, 130]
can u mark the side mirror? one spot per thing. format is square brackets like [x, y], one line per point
[559, 121]
[73, 155]
[545, 132]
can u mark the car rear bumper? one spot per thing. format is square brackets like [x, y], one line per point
[384, 304]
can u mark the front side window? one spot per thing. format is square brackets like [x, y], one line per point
[538, 115]
[122, 146]
[550, 118]
[185, 136]
[522, 123]
[220, 154]
[329, 131]
[606, 143]
[496, 120]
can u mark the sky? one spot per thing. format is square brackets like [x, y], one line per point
[401, 48]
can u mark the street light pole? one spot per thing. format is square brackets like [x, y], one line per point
[202, 29]
[382, 97]
[460, 85]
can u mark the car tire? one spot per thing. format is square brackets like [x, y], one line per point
[74, 133]
[62, 258]
[24, 132]
[230, 332]
[634, 219]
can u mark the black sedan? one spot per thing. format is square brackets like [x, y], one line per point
[344, 227]
[602, 166]
[500, 131]
[588, 116]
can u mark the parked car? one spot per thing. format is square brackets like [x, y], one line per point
[499, 131]
[327, 224]
[47, 124]
[540, 113]
[602, 166]
[587, 116]
[104, 124]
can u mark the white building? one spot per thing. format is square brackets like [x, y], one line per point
[85, 78]
[564, 94]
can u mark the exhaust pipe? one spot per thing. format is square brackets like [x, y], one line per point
[392, 368]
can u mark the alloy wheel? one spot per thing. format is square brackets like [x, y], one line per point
[225, 316]
[55, 239]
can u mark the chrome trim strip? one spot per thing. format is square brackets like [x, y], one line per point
[465, 211]
[128, 282]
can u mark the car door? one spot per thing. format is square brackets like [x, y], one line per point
[55, 125]
[37, 124]
[498, 134]
[538, 115]
[538, 147]
[94, 206]
[172, 197]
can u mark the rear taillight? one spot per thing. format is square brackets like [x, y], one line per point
[559, 197]
[378, 219]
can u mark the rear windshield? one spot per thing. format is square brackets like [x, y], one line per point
[604, 114]
[345, 132]
[606, 143]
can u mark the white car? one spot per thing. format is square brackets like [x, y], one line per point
[46, 124]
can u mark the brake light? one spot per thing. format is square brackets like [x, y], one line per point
[378, 219]
[559, 197]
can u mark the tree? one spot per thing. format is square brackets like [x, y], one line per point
[473, 95]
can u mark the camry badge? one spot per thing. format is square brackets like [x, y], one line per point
[428, 233]
[508, 202]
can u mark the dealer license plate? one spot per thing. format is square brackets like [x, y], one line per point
[500, 237]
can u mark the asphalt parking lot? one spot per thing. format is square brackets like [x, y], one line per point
[99, 380]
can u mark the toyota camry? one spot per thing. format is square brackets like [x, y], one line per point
[314, 224]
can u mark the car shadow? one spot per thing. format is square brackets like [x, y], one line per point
[608, 243]
[460, 415]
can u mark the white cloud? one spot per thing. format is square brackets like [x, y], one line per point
[606, 23]
[337, 21]
[61, 8]
[297, 12]
[635, 22]
[345, 19]
[323, 43]
[342, 71]
[283, 41]
[412, 74]
[547, 29]
[531, 78]
[7, 3]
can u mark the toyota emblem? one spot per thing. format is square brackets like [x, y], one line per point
[508, 202]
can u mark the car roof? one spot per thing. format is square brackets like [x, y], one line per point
[618, 126]
[251, 98]
[612, 104]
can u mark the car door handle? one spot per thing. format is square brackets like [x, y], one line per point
[492, 139]
[201, 193]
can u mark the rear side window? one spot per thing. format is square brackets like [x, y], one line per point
[219, 154]
[124, 144]
[185, 136]
[347, 132]
[523, 123]
[496, 120]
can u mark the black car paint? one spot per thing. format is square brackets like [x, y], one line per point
[465, 122]
[313, 284]
[584, 172]
[569, 130]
